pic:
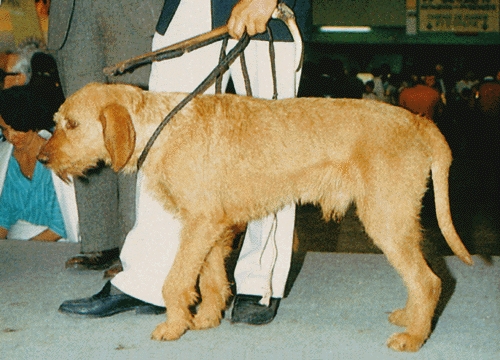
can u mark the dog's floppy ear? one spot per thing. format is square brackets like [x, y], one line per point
[118, 133]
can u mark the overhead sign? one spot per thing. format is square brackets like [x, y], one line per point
[460, 16]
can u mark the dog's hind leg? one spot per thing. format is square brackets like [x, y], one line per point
[397, 232]
[213, 284]
[424, 288]
[198, 237]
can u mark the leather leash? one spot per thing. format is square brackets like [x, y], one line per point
[169, 52]
[223, 65]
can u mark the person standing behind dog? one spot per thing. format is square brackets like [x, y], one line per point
[150, 248]
[422, 99]
[86, 36]
[336, 82]
[368, 93]
[17, 68]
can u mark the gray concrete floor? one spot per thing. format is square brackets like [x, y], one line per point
[336, 308]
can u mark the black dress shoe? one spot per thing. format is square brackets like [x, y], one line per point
[95, 261]
[248, 310]
[107, 302]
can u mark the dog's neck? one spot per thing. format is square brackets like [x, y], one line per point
[149, 123]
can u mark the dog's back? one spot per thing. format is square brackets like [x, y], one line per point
[306, 149]
[330, 152]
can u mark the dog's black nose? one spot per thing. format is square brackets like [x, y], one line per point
[43, 158]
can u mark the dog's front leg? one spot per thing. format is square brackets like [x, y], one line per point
[179, 290]
[213, 284]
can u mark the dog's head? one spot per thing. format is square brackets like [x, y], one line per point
[93, 124]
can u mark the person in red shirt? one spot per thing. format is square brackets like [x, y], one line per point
[422, 99]
[488, 97]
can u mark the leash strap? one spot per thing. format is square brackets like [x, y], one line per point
[218, 82]
[272, 56]
[168, 52]
[244, 71]
[205, 84]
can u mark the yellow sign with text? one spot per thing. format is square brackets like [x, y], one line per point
[460, 16]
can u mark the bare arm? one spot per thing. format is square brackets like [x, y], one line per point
[3, 233]
[250, 16]
[47, 235]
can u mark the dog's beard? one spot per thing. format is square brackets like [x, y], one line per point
[64, 176]
[76, 170]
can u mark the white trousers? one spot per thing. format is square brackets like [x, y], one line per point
[151, 246]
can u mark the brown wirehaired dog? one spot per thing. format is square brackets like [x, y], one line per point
[227, 159]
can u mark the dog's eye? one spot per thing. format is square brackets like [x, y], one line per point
[71, 124]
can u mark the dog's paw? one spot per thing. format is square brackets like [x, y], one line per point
[204, 322]
[405, 342]
[168, 331]
[399, 318]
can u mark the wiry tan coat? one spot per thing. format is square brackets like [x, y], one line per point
[225, 160]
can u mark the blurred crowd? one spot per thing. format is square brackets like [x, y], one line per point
[472, 88]
[464, 104]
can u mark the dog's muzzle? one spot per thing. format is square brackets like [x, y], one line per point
[43, 158]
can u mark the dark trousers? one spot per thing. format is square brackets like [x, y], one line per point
[103, 33]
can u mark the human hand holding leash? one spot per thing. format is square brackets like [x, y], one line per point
[250, 16]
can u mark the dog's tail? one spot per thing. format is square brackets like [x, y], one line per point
[441, 161]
